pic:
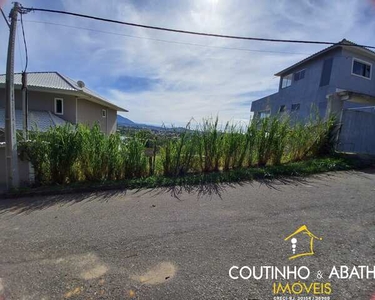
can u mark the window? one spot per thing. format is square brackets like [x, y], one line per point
[264, 114]
[299, 75]
[286, 81]
[326, 72]
[296, 107]
[104, 113]
[282, 108]
[361, 68]
[59, 106]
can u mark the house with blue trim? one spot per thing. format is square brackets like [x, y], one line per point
[305, 86]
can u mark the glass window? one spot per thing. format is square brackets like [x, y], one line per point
[286, 81]
[361, 68]
[104, 113]
[295, 107]
[59, 106]
[326, 72]
[264, 114]
[299, 75]
[282, 108]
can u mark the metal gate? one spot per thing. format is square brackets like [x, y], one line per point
[357, 133]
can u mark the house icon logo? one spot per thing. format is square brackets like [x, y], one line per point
[302, 233]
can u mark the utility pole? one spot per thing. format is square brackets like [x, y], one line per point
[10, 113]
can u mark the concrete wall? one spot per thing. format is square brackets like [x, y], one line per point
[90, 113]
[112, 120]
[343, 74]
[357, 132]
[307, 91]
[23, 167]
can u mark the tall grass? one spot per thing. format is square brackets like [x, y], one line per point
[68, 154]
[209, 149]
[178, 154]
[135, 161]
[93, 159]
[231, 146]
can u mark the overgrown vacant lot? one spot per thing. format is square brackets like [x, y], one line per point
[67, 155]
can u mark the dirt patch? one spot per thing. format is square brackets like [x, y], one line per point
[73, 293]
[161, 273]
[94, 272]
[86, 266]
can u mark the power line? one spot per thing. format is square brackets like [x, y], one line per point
[166, 41]
[27, 9]
[19, 45]
[25, 44]
[5, 18]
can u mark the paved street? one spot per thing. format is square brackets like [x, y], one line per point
[180, 244]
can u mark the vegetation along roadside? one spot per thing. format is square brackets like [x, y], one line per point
[72, 158]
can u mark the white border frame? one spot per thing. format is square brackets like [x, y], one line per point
[105, 115]
[364, 62]
[62, 106]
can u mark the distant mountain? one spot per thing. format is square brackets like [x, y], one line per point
[124, 122]
[121, 121]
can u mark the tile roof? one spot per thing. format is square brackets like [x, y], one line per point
[40, 120]
[339, 44]
[57, 81]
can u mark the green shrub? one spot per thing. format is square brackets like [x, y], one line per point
[36, 150]
[78, 153]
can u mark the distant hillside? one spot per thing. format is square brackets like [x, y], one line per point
[121, 121]
[124, 122]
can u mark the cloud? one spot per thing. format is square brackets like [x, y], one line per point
[161, 81]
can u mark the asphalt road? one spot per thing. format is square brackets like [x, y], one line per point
[180, 244]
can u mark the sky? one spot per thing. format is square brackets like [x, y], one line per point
[163, 77]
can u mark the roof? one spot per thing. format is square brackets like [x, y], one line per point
[40, 120]
[340, 44]
[56, 81]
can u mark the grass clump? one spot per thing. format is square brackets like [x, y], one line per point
[69, 154]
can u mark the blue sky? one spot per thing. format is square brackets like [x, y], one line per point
[162, 82]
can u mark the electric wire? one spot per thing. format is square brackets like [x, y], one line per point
[25, 44]
[29, 9]
[166, 41]
[19, 46]
[5, 18]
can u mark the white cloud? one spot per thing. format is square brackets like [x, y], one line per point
[189, 81]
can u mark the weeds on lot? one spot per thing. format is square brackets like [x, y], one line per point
[178, 154]
[70, 154]
[200, 181]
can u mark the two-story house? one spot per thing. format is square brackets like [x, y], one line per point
[306, 84]
[54, 99]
